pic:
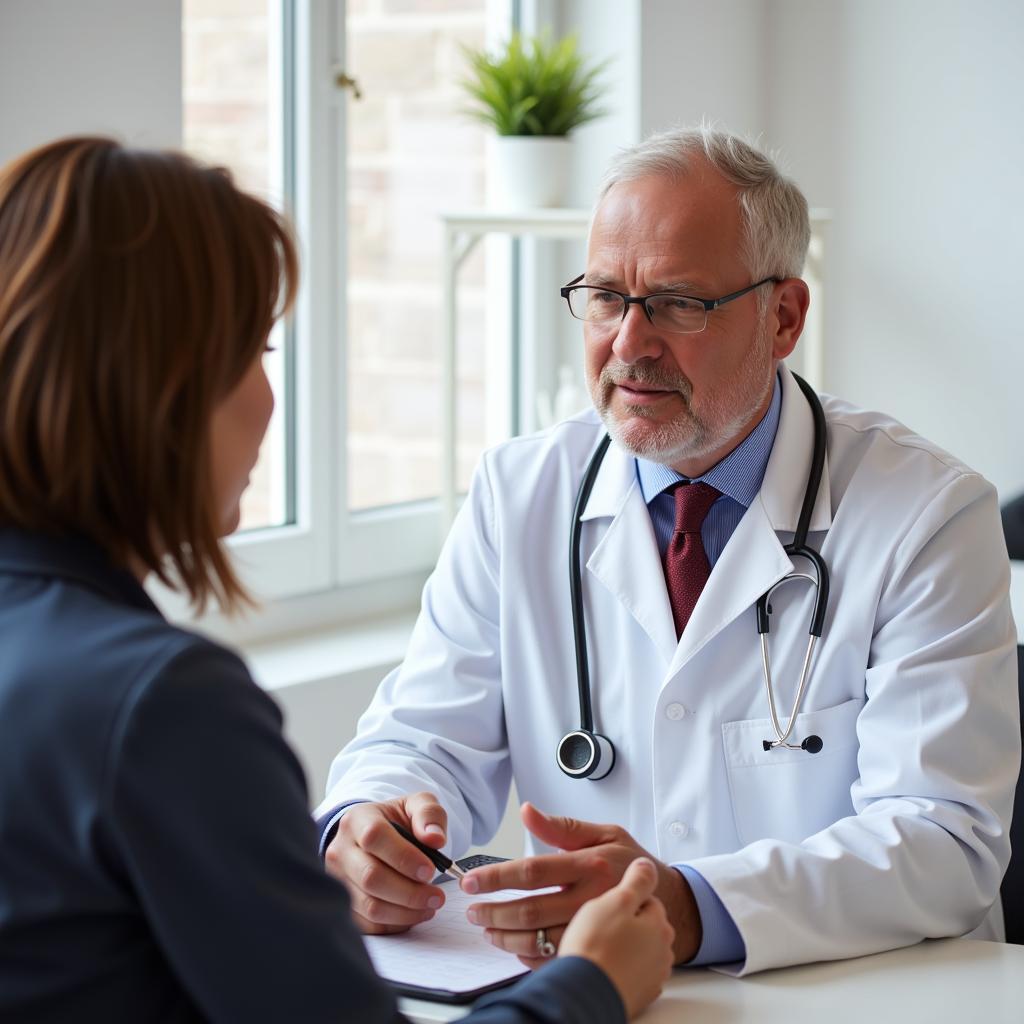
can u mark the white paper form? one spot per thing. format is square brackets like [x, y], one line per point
[446, 952]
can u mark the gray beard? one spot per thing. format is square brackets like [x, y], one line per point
[686, 437]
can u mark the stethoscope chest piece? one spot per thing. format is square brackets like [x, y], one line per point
[585, 755]
[812, 744]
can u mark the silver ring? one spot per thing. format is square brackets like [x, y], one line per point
[545, 947]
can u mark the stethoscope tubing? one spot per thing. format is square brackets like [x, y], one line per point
[579, 630]
[781, 738]
[796, 549]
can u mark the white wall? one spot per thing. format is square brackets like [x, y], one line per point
[701, 59]
[104, 66]
[917, 105]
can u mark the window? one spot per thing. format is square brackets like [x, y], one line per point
[410, 155]
[232, 90]
[346, 488]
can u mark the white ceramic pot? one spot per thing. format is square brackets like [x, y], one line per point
[528, 171]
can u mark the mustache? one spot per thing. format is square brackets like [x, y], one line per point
[646, 374]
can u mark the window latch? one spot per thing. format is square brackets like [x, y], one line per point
[346, 81]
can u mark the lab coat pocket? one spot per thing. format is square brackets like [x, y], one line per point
[791, 794]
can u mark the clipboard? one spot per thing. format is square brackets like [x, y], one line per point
[453, 998]
[447, 948]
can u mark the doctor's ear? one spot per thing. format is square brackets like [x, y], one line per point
[787, 313]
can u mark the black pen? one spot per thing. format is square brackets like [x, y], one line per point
[437, 858]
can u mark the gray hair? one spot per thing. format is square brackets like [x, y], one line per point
[777, 227]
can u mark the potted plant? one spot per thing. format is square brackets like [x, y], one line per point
[533, 92]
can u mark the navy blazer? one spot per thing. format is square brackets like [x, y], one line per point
[157, 861]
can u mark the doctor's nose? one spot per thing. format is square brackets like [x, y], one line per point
[636, 337]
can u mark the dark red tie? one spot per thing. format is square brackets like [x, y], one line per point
[686, 562]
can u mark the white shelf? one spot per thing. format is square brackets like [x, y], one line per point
[553, 223]
[462, 230]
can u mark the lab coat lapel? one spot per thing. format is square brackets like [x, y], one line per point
[785, 479]
[754, 558]
[626, 559]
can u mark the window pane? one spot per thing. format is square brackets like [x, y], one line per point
[232, 92]
[411, 154]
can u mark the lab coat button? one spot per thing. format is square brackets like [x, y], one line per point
[679, 829]
[674, 712]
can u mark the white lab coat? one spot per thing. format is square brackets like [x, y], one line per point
[895, 831]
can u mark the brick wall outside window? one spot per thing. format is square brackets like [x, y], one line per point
[411, 154]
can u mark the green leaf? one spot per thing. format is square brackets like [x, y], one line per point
[534, 86]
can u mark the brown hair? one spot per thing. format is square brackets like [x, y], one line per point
[136, 289]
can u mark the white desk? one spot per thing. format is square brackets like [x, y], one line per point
[948, 980]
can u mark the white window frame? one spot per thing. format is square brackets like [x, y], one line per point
[330, 545]
[332, 564]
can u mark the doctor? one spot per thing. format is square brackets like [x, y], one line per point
[873, 815]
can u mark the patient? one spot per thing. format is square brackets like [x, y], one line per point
[139, 763]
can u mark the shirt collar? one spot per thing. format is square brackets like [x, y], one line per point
[738, 475]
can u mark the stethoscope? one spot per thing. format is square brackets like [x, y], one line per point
[586, 754]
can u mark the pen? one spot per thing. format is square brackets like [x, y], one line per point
[437, 858]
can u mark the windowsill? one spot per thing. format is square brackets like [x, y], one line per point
[325, 621]
[331, 653]
[321, 656]
[324, 679]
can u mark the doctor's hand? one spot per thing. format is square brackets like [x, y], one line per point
[386, 876]
[594, 858]
[625, 932]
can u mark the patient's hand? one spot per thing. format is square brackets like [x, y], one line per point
[386, 876]
[626, 933]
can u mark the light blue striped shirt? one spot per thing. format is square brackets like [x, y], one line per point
[738, 476]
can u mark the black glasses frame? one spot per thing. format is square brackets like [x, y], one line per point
[642, 300]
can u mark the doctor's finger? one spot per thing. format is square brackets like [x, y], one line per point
[380, 912]
[368, 927]
[377, 880]
[569, 833]
[529, 914]
[544, 871]
[373, 834]
[524, 944]
[428, 819]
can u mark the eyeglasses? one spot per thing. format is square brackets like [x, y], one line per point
[677, 314]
